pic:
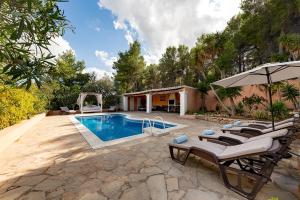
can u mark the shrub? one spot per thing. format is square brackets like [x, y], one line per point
[252, 101]
[290, 93]
[240, 108]
[260, 115]
[280, 110]
[17, 104]
[273, 198]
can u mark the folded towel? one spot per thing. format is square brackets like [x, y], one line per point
[208, 132]
[237, 123]
[180, 139]
[296, 115]
[227, 126]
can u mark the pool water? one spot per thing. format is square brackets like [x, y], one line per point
[115, 126]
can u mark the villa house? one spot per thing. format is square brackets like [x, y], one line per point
[181, 99]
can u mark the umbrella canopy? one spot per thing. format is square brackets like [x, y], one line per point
[259, 75]
[263, 74]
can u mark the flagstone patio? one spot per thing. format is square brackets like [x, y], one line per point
[53, 161]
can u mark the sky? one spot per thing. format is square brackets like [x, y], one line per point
[105, 27]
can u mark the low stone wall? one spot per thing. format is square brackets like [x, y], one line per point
[188, 116]
[59, 112]
[10, 134]
[219, 119]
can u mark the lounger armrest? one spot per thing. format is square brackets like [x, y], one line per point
[223, 140]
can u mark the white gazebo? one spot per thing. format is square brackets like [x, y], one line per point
[89, 108]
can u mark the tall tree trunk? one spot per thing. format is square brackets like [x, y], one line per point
[222, 72]
[295, 104]
[218, 98]
[280, 46]
[203, 75]
[240, 63]
[203, 102]
[233, 110]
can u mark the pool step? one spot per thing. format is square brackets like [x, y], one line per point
[152, 130]
[155, 131]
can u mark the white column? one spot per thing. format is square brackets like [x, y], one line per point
[183, 102]
[148, 103]
[125, 103]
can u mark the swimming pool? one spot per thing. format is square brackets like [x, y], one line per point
[110, 127]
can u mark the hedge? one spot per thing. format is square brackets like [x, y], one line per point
[18, 104]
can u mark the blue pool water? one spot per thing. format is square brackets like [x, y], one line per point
[115, 126]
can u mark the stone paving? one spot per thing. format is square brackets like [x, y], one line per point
[53, 161]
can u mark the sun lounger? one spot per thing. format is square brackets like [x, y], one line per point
[265, 125]
[112, 109]
[91, 108]
[232, 139]
[254, 160]
[250, 132]
[66, 110]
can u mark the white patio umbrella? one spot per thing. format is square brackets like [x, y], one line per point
[263, 74]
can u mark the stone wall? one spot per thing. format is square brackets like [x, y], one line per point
[12, 133]
[247, 91]
[219, 119]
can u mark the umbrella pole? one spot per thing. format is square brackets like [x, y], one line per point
[270, 97]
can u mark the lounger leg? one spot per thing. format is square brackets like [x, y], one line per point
[259, 179]
[177, 158]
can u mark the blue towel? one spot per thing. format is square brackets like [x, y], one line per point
[180, 139]
[227, 126]
[208, 132]
[237, 123]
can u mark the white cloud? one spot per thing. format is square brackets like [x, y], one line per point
[99, 72]
[151, 58]
[129, 34]
[129, 37]
[119, 25]
[105, 58]
[161, 23]
[59, 45]
[97, 29]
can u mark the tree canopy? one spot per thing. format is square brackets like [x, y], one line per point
[26, 30]
[264, 31]
[129, 69]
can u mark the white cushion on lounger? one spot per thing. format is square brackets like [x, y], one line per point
[284, 121]
[282, 126]
[270, 124]
[273, 134]
[208, 146]
[211, 147]
[247, 148]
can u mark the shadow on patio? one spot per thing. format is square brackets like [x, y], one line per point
[52, 161]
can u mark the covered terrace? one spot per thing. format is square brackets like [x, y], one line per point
[179, 99]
